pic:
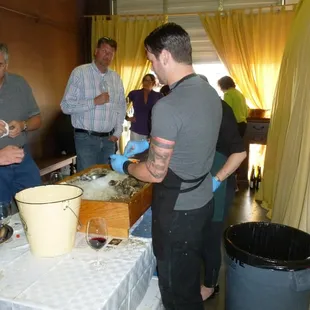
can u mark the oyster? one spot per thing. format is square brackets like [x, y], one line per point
[113, 182]
[130, 181]
[127, 187]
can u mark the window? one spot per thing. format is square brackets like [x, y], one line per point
[213, 73]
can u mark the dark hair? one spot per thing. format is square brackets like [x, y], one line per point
[174, 39]
[152, 77]
[226, 82]
[108, 41]
[165, 90]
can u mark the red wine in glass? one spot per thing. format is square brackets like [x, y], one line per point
[97, 243]
[96, 237]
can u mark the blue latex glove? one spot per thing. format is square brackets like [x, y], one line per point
[215, 184]
[117, 162]
[135, 147]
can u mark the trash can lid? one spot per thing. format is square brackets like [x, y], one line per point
[268, 245]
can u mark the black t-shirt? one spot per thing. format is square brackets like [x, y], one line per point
[229, 140]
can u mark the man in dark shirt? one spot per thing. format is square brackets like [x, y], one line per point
[230, 152]
[19, 113]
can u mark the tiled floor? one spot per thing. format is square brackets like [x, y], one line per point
[244, 209]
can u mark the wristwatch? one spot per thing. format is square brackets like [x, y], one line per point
[25, 126]
[217, 179]
[125, 166]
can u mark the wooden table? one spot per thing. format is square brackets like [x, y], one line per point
[49, 165]
[256, 133]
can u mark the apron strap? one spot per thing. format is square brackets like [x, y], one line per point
[199, 180]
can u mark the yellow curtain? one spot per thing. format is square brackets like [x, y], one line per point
[286, 184]
[251, 43]
[102, 26]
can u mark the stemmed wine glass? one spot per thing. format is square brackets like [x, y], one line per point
[96, 237]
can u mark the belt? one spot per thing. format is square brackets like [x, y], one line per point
[95, 133]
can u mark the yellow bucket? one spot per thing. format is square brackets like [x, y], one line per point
[50, 216]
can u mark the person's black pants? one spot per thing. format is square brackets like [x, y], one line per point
[212, 254]
[212, 249]
[242, 128]
[179, 264]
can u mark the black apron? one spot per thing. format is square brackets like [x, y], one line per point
[165, 195]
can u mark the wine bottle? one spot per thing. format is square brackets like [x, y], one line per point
[258, 178]
[252, 178]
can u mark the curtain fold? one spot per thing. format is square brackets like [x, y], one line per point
[131, 62]
[251, 43]
[286, 184]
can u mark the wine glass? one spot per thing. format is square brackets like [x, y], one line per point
[55, 177]
[104, 87]
[5, 213]
[96, 237]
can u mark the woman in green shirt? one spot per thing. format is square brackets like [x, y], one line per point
[235, 99]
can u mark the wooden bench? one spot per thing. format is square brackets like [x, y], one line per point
[49, 165]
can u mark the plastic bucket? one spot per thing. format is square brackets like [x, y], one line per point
[268, 267]
[50, 216]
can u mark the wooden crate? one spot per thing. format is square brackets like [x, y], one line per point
[120, 216]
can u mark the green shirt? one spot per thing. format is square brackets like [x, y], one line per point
[237, 102]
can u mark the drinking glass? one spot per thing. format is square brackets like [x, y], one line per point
[55, 177]
[96, 237]
[5, 213]
[104, 86]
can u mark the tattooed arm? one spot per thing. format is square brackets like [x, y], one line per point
[155, 168]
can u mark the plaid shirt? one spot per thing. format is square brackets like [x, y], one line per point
[85, 83]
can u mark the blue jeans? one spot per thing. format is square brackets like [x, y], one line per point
[16, 177]
[92, 150]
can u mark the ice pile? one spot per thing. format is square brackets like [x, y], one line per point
[99, 189]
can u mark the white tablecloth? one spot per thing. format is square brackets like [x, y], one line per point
[69, 282]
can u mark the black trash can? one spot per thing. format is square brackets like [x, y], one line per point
[268, 267]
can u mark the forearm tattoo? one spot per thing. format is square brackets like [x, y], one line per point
[159, 157]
